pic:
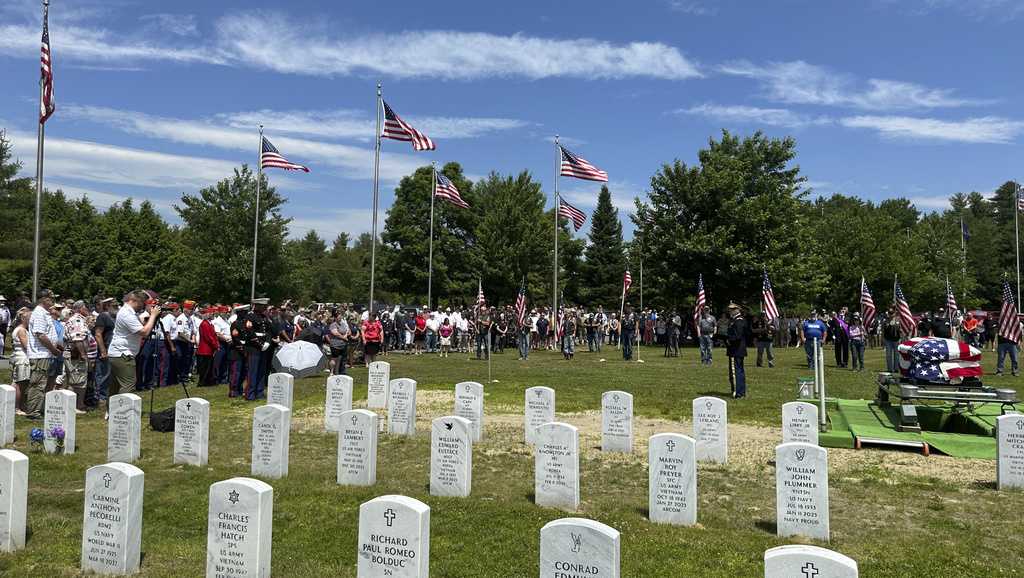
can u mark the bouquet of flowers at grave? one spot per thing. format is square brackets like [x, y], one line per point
[36, 439]
[57, 433]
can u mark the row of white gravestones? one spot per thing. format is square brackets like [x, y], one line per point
[112, 519]
[711, 429]
[339, 401]
[539, 410]
[191, 431]
[281, 389]
[378, 381]
[357, 448]
[59, 413]
[402, 407]
[1010, 451]
[7, 407]
[451, 457]
[801, 490]
[800, 422]
[469, 404]
[556, 474]
[617, 422]
[124, 428]
[271, 425]
[13, 499]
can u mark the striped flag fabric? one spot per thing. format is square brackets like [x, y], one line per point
[480, 300]
[46, 103]
[271, 158]
[903, 310]
[1009, 324]
[578, 167]
[768, 299]
[570, 212]
[1020, 198]
[701, 301]
[446, 190]
[397, 129]
[627, 282]
[867, 304]
[951, 307]
[521, 302]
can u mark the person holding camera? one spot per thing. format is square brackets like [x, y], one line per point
[125, 344]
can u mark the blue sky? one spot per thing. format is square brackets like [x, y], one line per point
[915, 98]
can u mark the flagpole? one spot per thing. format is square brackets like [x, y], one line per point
[554, 286]
[1016, 233]
[641, 302]
[430, 257]
[376, 185]
[39, 191]
[256, 220]
[963, 253]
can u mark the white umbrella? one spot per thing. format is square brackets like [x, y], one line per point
[301, 359]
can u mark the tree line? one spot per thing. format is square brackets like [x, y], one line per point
[742, 208]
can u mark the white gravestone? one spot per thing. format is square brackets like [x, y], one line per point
[271, 425]
[402, 407]
[807, 562]
[339, 400]
[801, 490]
[711, 429]
[672, 476]
[469, 403]
[357, 448]
[800, 422]
[280, 389]
[1010, 451]
[617, 422]
[556, 472]
[394, 538]
[539, 410]
[572, 547]
[239, 528]
[60, 412]
[379, 377]
[451, 457]
[13, 499]
[191, 431]
[124, 428]
[112, 524]
[7, 403]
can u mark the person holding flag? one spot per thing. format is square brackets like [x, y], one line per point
[523, 323]
[1009, 332]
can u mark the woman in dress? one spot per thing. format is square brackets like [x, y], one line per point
[373, 338]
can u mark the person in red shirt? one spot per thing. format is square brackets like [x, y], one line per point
[208, 346]
[373, 338]
[421, 331]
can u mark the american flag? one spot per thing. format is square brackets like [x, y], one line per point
[935, 359]
[699, 307]
[521, 303]
[1009, 325]
[574, 166]
[768, 299]
[867, 304]
[903, 310]
[446, 190]
[46, 103]
[570, 212]
[397, 129]
[951, 307]
[480, 300]
[627, 281]
[1020, 198]
[271, 158]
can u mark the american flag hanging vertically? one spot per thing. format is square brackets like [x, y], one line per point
[1009, 324]
[46, 102]
[951, 307]
[271, 158]
[570, 212]
[446, 190]
[768, 299]
[1020, 198]
[521, 302]
[574, 166]
[867, 304]
[480, 300]
[701, 300]
[903, 310]
[397, 129]
[627, 281]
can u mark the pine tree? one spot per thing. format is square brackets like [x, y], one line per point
[606, 257]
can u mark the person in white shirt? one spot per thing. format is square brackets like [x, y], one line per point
[5, 321]
[125, 344]
[167, 366]
[188, 332]
[223, 330]
[42, 348]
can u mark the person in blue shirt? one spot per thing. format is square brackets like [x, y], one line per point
[812, 329]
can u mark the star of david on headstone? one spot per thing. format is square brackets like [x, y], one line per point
[389, 516]
[800, 453]
[107, 479]
[355, 420]
[233, 497]
[809, 570]
[671, 445]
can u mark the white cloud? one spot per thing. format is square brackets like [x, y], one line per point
[104, 200]
[799, 82]
[988, 129]
[622, 197]
[178, 24]
[693, 7]
[754, 115]
[328, 223]
[1003, 10]
[276, 43]
[931, 203]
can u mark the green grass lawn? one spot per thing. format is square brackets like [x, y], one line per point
[893, 520]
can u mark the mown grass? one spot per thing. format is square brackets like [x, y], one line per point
[893, 524]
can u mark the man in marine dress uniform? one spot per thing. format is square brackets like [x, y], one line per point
[257, 334]
[237, 369]
[167, 352]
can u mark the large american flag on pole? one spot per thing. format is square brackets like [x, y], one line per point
[46, 102]
[446, 190]
[768, 299]
[570, 212]
[521, 302]
[574, 166]
[1020, 198]
[867, 304]
[1009, 324]
[480, 300]
[271, 158]
[627, 282]
[903, 310]
[951, 307]
[701, 300]
[397, 129]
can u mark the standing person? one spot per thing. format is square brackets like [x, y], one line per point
[209, 345]
[811, 330]
[445, 332]
[431, 326]
[21, 366]
[421, 331]
[5, 321]
[126, 342]
[858, 339]
[76, 354]
[941, 326]
[891, 337]
[627, 334]
[42, 350]
[675, 330]
[223, 331]
[258, 333]
[764, 336]
[167, 368]
[708, 327]
[614, 329]
[526, 328]
[501, 331]
[237, 369]
[793, 327]
[185, 340]
[736, 350]
[991, 327]
[337, 340]
[373, 335]
[841, 337]
[542, 330]
[1006, 347]
[103, 332]
[568, 334]
[483, 330]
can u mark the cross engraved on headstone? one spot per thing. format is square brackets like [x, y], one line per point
[538, 392]
[188, 406]
[233, 497]
[1020, 424]
[809, 570]
[671, 445]
[106, 480]
[355, 420]
[389, 516]
[577, 542]
[800, 409]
